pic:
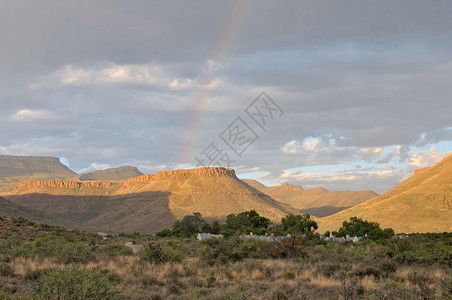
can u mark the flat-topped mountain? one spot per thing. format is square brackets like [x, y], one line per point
[149, 202]
[421, 203]
[112, 174]
[316, 201]
[15, 169]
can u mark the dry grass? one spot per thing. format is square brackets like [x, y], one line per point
[193, 279]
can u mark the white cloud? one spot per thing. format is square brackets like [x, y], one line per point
[318, 147]
[29, 115]
[71, 75]
[427, 159]
[177, 84]
[138, 74]
[292, 147]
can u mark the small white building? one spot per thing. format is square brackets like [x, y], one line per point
[204, 236]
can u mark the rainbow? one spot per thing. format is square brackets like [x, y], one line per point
[227, 39]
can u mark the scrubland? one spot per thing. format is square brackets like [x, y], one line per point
[51, 262]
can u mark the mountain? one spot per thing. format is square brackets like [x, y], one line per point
[16, 169]
[113, 174]
[421, 203]
[317, 201]
[147, 203]
[7, 208]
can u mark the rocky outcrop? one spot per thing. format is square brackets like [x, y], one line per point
[49, 184]
[207, 171]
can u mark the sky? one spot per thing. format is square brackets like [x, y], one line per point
[357, 94]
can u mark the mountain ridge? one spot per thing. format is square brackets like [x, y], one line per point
[421, 203]
[214, 192]
[316, 201]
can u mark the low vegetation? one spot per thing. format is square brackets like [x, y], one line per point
[40, 261]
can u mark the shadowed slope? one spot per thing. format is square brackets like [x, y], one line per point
[317, 201]
[422, 203]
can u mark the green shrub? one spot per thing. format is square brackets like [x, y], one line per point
[147, 281]
[74, 283]
[445, 285]
[288, 275]
[388, 289]
[13, 247]
[6, 270]
[221, 251]
[113, 250]
[161, 253]
[62, 250]
[279, 295]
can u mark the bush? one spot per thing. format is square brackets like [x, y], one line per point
[6, 270]
[14, 248]
[388, 289]
[113, 250]
[158, 254]
[74, 283]
[62, 249]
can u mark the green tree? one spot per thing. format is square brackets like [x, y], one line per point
[245, 221]
[359, 227]
[215, 228]
[191, 224]
[301, 224]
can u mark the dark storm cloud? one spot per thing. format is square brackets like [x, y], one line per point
[113, 82]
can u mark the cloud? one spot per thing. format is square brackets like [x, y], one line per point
[149, 84]
[427, 159]
[29, 115]
[74, 76]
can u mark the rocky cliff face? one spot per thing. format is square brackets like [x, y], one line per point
[51, 184]
[186, 173]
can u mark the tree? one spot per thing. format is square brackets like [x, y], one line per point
[246, 220]
[215, 228]
[191, 224]
[301, 224]
[359, 227]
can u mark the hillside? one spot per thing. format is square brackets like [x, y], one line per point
[112, 174]
[149, 202]
[317, 201]
[422, 203]
[8, 208]
[16, 169]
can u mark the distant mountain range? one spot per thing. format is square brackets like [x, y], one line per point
[16, 169]
[123, 199]
[113, 174]
[317, 201]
